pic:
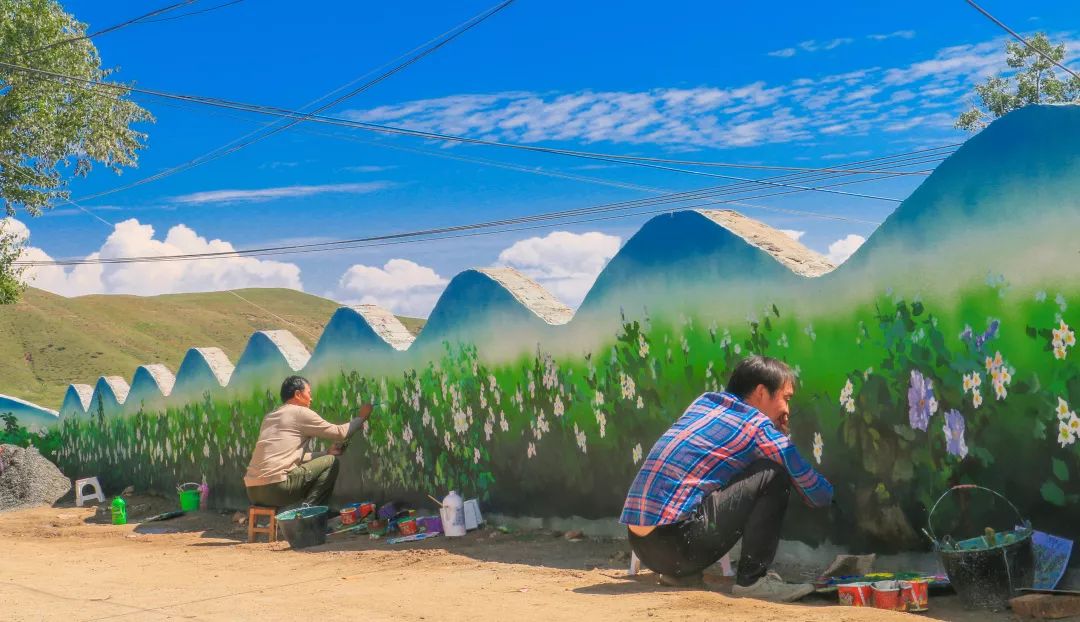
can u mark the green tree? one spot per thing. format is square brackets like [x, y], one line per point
[11, 284]
[53, 129]
[1034, 81]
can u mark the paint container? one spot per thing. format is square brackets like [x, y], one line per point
[429, 524]
[915, 594]
[887, 595]
[366, 508]
[473, 519]
[377, 527]
[349, 515]
[407, 527]
[855, 594]
[387, 511]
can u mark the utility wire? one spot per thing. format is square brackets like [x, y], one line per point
[190, 13]
[1020, 39]
[410, 57]
[281, 112]
[113, 28]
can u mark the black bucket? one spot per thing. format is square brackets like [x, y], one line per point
[986, 577]
[305, 526]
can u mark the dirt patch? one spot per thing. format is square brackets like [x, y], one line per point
[198, 567]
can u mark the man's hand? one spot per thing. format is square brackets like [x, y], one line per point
[365, 412]
[335, 450]
[782, 424]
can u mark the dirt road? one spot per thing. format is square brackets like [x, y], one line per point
[57, 564]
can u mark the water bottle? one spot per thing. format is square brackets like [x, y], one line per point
[119, 511]
[204, 495]
[453, 515]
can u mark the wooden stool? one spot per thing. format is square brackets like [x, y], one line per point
[255, 512]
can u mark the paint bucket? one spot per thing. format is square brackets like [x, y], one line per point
[855, 594]
[988, 576]
[915, 594]
[429, 524]
[189, 498]
[407, 527]
[305, 526]
[887, 595]
[349, 515]
[366, 509]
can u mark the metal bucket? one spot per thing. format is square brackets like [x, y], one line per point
[987, 577]
[305, 526]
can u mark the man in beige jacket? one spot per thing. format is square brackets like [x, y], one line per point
[282, 471]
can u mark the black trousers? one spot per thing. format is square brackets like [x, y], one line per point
[750, 507]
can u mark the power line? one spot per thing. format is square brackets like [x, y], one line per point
[113, 28]
[281, 112]
[251, 138]
[190, 13]
[1020, 39]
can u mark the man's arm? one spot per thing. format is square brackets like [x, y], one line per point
[773, 444]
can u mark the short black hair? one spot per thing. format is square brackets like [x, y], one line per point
[755, 370]
[291, 385]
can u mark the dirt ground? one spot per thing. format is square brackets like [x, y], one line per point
[63, 563]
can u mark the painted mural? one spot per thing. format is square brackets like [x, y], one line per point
[942, 352]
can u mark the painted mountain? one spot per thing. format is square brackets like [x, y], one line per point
[33, 417]
[942, 353]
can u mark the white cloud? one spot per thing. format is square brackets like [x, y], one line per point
[269, 194]
[368, 168]
[783, 53]
[131, 238]
[853, 103]
[840, 250]
[402, 286]
[899, 34]
[565, 263]
[793, 234]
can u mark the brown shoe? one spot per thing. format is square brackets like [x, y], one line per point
[692, 580]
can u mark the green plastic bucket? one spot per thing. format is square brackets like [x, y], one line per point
[189, 499]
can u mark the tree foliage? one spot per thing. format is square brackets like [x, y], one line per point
[11, 283]
[1034, 81]
[49, 129]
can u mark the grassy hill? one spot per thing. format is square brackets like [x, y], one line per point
[49, 341]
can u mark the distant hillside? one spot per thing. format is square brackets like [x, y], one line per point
[48, 341]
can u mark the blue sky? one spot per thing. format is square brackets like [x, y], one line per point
[804, 84]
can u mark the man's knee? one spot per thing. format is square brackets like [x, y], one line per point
[773, 474]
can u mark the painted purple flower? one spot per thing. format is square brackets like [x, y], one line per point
[954, 434]
[921, 402]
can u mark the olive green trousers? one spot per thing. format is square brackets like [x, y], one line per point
[312, 482]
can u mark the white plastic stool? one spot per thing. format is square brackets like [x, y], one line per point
[91, 482]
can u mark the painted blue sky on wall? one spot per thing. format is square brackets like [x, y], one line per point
[801, 84]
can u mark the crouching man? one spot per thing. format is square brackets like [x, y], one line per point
[282, 471]
[721, 473]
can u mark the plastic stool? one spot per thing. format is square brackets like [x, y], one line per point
[255, 512]
[91, 482]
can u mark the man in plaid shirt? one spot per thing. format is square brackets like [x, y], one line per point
[721, 473]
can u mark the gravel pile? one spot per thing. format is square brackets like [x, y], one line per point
[28, 479]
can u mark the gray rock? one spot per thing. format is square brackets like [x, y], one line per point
[27, 479]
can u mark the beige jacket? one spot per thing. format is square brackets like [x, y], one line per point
[283, 440]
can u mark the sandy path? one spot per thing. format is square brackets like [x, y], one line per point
[58, 566]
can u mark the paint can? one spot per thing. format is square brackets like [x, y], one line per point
[366, 509]
[407, 527]
[350, 514]
[887, 595]
[855, 594]
[915, 594]
[429, 524]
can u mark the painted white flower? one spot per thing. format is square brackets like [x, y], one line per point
[999, 390]
[976, 399]
[407, 433]
[601, 420]
[504, 425]
[488, 429]
[426, 418]
[737, 349]
[1060, 300]
[968, 383]
[1062, 409]
[531, 450]
[640, 402]
[1074, 424]
[420, 456]
[1040, 296]
[1065, 435]
[579, 435]
[558, 408]
[476, 456]
[628, 386]
[819, 445]
[684, 344]
[636, 453]
[461, 422]
[446, 439]
[643, 346]
[599, 399]
[532, 388]
[1059, 353]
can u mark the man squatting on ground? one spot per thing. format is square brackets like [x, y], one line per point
[282, 471]
[721, 473]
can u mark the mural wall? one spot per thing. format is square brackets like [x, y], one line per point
[942, 352]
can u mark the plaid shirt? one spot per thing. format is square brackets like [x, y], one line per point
[717, 437]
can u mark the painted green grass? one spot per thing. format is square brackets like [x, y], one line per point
[565, 437]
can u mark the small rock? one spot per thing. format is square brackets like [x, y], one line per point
[575, 535]
[127, 492]
[493, 534]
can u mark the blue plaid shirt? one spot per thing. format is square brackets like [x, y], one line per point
[717, 437]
